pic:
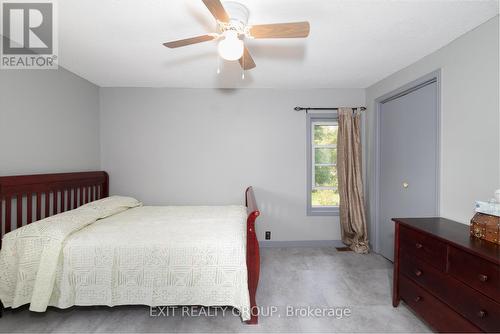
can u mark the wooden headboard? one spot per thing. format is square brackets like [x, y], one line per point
[28, 198]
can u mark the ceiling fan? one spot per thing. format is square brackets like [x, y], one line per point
[232, 19]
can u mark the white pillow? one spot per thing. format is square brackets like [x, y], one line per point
[111, 205]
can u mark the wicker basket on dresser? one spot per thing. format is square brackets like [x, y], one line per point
[448, 278]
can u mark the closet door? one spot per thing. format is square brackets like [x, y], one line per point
[409, 153]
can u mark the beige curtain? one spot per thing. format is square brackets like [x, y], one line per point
[352, 210]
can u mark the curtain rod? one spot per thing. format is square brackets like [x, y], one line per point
[336, 109]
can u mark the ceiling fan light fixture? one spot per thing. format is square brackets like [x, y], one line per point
[233, 29]
[231, 47]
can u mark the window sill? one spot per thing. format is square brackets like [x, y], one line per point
[332, 211]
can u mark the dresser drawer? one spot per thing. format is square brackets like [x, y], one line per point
[425, 275]
[424, 247]
[434, 312]
[479, 309]
[475, 272]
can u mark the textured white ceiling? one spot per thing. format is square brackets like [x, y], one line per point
[352, 44]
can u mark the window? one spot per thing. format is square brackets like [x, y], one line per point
[323, 195]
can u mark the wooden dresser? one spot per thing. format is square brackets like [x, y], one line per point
[448, 278]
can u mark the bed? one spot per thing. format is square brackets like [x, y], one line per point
[88, 249]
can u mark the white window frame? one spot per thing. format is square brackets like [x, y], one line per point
[312, 120]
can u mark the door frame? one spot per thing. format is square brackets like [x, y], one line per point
[432, 77]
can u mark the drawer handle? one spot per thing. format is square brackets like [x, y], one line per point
[418, 273]
[418, 245]
[418, 298]
[483, 278]
[482, 314]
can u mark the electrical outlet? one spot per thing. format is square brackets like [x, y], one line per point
[268, 235]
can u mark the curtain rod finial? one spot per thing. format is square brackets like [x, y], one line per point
[298, 108]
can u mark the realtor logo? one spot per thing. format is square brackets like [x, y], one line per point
[29, 39]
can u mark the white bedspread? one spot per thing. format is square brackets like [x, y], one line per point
[145, 255]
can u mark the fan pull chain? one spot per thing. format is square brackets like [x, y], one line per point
[243, 67]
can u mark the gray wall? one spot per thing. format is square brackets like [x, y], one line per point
[196, 146]
[49, 122]
[470, 121]
[204, 146]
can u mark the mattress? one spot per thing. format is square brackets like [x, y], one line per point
[156, 256]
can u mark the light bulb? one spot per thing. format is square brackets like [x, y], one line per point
[231, 47]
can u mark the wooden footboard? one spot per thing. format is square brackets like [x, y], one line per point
[253, 257]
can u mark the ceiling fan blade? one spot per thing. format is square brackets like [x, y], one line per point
[280, 30]
[215, 7]
[189, 41]
[246, 61]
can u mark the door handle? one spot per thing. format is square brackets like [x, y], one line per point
[405, 185]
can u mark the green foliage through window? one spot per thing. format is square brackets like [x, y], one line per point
[325, 155]
[325, 182]
[326, 176]
[325, 198]
[325, 134]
